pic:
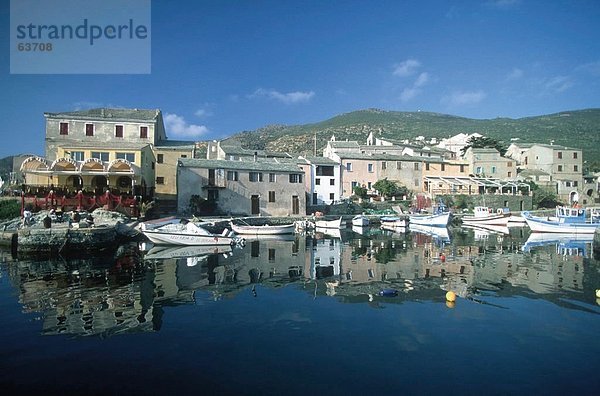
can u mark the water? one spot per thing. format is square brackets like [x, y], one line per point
[303, 316]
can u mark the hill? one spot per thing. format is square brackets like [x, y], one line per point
[578, 129]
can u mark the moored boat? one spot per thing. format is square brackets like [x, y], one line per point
[360, 221]
[393, 221]
[330, 223]
[185, 234]
[439, 217]
[566, 220]
[482, 215]
[265, 229]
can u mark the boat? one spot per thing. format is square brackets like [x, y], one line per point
[360, 221]
[439, 217]
[485, 216]
[265, 229]
[393, 221]
[330, 223]
[185, 233]
[566, 220]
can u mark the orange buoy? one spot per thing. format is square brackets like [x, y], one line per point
[450, 296]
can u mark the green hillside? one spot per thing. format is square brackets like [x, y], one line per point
[578, 129]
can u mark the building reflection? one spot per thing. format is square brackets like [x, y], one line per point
[129, 292]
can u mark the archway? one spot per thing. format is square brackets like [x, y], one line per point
[99, 184]
[573, 197]
[75, 181]
[124, 183]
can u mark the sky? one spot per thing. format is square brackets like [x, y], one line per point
[221, 67]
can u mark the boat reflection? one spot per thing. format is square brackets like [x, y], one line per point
[130, 292]
[565, 244]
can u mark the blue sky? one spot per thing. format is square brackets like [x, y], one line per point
[220, 67]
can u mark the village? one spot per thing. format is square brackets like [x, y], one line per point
[122, 159]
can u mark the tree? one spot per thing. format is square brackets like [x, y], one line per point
[360, 192]
[542, 197]
[389, 188]
[484, 142]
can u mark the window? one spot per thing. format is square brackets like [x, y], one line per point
[317, 182]
[426, 166]
[64, 128]
[332, 196]
[99, 155]
[369, 185]
[255, 177]
[213, 195]
[89, 129]
[575, 168]
[126, 156]
[324, 170]
[295, 178]
[332, 182]
[493, 169]
[575, 155]
[416, 166]
[354, 184]
[160, 180]
[119, 131]
[560, 168]
[462, 169]
[183, 156]
[78, 155]
[271, 254]
[272, 178]
[509, 164]
[509, 174]
[271, 196]
[443, 167]
[160, 158]
[568, 183]
[143, 132]
[383, 165]
[370, 168]
[478, 170]
[349, 166]
[398, 165]
[575, 183]
[560, 155]
[232, 175]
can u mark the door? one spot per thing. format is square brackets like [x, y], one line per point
[295, 205]
[315, 201]
[211, 177]
[255, 204]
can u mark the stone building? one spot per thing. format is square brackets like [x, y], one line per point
[261, 187]
[322, 180]
[489, 163]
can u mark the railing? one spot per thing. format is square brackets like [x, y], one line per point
[82, 202]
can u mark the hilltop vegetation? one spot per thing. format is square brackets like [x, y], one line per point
[577, 129]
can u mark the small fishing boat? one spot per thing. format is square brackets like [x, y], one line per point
[482, 215]
[439, 217]
[265, 229]
[360, 221]
[185, 233]
[566, 220]
[393, 221]
[330, 223]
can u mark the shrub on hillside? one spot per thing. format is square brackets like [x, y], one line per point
[9, 209]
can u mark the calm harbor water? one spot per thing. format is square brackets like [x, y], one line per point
[304, 316]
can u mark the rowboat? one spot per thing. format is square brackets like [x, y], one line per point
[185, 233]
[360, 221]
[265, 229]
[393, 221]
[566, 220]
[330, 223]
[482, 215]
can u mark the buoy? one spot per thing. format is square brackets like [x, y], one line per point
[388, 293]
[450, 304]
[598, 293]
[450, 296]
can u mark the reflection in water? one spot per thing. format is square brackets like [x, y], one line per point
[127, 293]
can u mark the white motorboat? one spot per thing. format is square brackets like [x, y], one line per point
[185, 234]
[482, 215]
[393, 221]
[360, 221]
[337, 224]
[566, 220]
[439, 217]
[265, 229]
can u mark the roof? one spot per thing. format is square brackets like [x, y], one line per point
[377, 157]
[533, 172]
[265, 166]
[555, 147]
[337, 144]
[484, 150]
[522, 144]
[114, 145]
[320, 161]
[175, 145]
[238, 150]
[105, 113]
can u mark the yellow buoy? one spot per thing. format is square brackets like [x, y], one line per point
[450, 296]
[598, 293]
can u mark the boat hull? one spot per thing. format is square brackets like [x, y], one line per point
[360, 221]
[494, 219]
[337, 224]
[436, 220]
[264, 230]
[540, 224]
